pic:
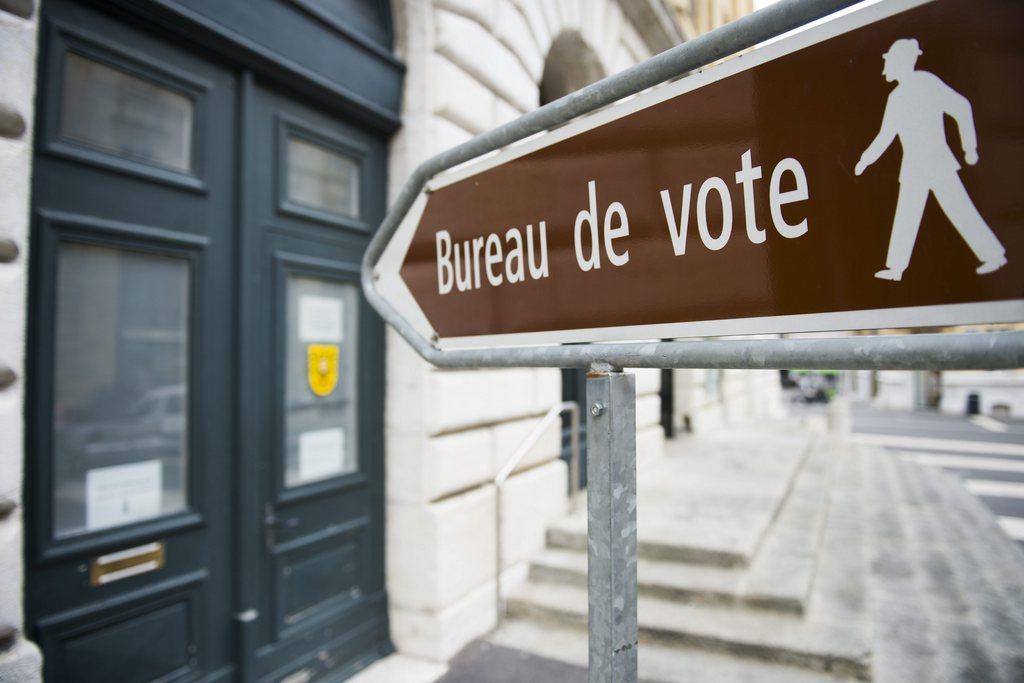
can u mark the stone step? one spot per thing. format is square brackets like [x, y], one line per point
[782, 573]
[706, 510]
[780, 576]
[669, 580]
[561, 535]
[656, 662]
[817, 645]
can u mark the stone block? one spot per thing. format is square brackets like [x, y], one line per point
[650, 444]
[534, 15]
[648, 380]
[470, 46]
[423, 468]
[461, 98]
[406, 408]
[504, 112]
[510, 435]
[438, 553]
[513, 577]
[570, 12]
[405, 367]
[648, 411]
[482, 11]
[592, 24]
[608, 45]
[439, 635]
[458, 461]
[547, 388]
[512, 29]
[445, 135]
[529, 501]
[464, 398]
[552, 18]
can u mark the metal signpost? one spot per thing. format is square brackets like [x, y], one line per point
[764, 194]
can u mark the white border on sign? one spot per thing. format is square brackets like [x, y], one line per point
[394, 289]
[911, 316]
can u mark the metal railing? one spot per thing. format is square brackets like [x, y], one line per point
[506, 471]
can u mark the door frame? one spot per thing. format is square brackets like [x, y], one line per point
[376, 110]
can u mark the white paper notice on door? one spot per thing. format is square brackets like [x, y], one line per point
[122, 494]
[321, 454]
[320, 319]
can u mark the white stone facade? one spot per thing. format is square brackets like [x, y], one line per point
[713, 399]
[474, 65]
[1000, 392]
[19, 659]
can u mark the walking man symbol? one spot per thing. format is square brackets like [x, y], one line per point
[914, 112]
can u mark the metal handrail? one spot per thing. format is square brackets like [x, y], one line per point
[510, 465]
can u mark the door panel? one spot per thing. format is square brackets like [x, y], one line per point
[317, 188]
[129, 546]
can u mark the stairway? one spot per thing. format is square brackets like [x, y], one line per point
[754, 592]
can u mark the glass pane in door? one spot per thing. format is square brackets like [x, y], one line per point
[321, 178]
[320, 386]
[120, 387]
[117, 112]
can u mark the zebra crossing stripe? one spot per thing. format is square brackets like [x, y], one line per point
[932, 444]
[963, 462]
[1013, 526]
[991, 424]
[995, 489]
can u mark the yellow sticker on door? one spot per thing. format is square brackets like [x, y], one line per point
[322, 362]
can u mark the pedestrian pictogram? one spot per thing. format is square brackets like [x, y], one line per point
[915, 113]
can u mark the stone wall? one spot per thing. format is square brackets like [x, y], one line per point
[19, 659]
[474, 65]
[712, 399]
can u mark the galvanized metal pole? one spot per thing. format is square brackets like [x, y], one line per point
[611, 531]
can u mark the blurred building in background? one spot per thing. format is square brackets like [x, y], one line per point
[994, 393]
[214, 460]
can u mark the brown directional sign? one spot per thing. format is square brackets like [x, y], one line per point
[862, 173]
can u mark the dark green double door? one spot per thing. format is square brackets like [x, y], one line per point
[204, 475]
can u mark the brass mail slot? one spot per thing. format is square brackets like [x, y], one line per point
[124, 563]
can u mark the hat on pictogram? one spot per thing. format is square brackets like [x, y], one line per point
[903, 48]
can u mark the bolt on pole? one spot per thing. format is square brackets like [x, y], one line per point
[611, 526]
